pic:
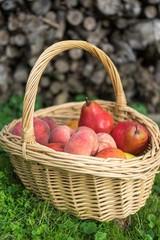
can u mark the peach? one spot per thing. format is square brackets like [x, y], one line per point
[50, 121]
[41, 130]
[17, 129]
[94, 135]
[105, 141]
[61, 134]
[83, 142]
[111, 153]
[56, 146]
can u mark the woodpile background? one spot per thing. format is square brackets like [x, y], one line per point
[128, 31]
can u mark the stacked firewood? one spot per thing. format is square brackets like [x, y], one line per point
[127, 31]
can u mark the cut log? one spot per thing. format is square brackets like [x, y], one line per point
[132, 8]
[45, 82]
[121, 23]
[9, 5]
[74, 17]
[41, 7]
[12, 23]
[89, 23]
[19, 40]
[62, 66]
[4, 37]
[21, 73]
[75, 53]
[109, 7]
[12, 52]
[150, 11]
[143, 33]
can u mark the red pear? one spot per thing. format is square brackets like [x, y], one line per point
[95, 117]
[130, 137]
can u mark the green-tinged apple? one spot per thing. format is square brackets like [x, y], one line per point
[130, 137]
[95, 117]
[129, 156]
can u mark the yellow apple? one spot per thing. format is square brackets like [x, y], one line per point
[128, 155]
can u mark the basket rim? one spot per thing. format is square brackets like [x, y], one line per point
[138, 167]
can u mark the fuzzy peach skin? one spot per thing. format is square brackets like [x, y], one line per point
[95, 138]
[83, 142]
[61, 134]
[105, 141]
[50, 121]
[41, 130]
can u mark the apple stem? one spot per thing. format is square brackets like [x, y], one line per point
[87, 101]
[136, 132]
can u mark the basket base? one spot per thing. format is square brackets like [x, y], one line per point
[83, 195]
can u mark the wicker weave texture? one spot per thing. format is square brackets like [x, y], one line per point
[88, 187]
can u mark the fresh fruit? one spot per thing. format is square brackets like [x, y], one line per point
[105, 141]
[17, 129]
[83, 142]
[50, 121]
[56, 146]
[94, 116]
[41, 130]
[61, 134]
[111, 153]
[95, 138]
[128, 155]
[73, 124]
[130, 137]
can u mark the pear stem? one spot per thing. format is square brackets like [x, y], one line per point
[136, 132]
[87, 101]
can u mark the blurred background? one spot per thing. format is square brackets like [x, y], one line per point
[127, 31]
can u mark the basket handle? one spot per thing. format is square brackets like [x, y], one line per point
[39, 67]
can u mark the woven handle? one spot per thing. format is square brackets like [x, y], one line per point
[39, 67]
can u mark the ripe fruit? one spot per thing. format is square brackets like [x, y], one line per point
[73, 124]
[128, 155]
[85, 130]
[56, 146]
[105, 141]
[111, 153]
[83, 142]
[61, 134]
[17, 129]
[51, 123]
[130, 137]
[41, 130]
[94, 116]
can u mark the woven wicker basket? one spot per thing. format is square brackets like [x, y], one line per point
[89, 187]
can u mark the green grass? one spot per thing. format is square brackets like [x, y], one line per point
[24, 216]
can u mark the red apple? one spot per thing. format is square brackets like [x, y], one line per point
[130, 137]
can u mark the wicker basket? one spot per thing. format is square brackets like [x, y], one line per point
[89, 187]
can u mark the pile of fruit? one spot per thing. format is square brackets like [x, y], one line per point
[94, 134]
